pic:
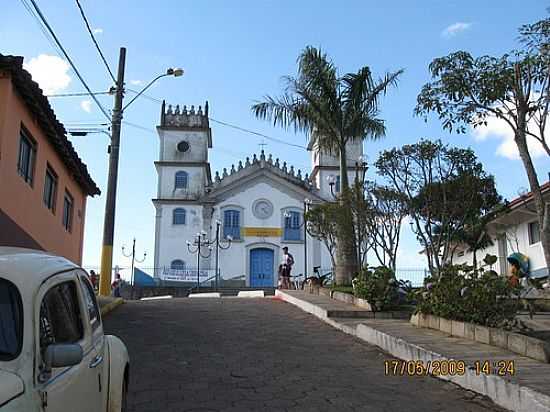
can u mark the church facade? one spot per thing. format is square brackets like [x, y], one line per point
[258, 203]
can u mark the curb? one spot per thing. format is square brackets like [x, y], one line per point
[109, 307]
[509, 395]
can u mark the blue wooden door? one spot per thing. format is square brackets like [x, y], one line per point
[261, 267]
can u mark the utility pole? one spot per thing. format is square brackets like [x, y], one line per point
[110, 203]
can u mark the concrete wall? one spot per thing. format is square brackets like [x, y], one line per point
[23, 203]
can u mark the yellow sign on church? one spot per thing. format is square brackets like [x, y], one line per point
[262, 231]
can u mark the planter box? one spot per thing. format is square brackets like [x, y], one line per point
[458, 329]
[433, 322]
[445, 325]
[362, 303]
[498, 337]
[537, 349]
[482, 334]
[517, 343]
[343, 297]
[325, 292]
[514, 342]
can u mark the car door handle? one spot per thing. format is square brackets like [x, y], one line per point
[96, 361]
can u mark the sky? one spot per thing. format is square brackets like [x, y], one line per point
[233, 54]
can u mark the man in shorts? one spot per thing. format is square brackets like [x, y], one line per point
[287, 262]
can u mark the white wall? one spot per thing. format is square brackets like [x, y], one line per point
[195, 184]
[235, 261]
[173, 238]
[198, 142]
[517, 241]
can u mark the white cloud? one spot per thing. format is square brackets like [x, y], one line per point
[455, 28]
[50, 72]
[500, 130]
[86, 105]
[136, 82]
[97, 30]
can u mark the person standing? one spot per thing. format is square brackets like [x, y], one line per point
[116, 285]
[287, 263]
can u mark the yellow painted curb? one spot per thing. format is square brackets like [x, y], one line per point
[111, 306]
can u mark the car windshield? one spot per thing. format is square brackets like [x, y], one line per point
[11, 321]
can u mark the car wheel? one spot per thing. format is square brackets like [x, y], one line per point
[124, 397]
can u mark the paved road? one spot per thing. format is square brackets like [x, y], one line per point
[262, 354]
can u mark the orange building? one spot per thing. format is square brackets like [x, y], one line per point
[43, 183]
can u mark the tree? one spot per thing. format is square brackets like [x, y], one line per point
[322, 223]
[443, 188]
[333, 111]
[389, 208]
[514, 87]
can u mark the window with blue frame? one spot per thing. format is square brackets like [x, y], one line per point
[181, 180]
[292, 226]
[337, 184]
[232, 224]
[178, 216]
[177, 264]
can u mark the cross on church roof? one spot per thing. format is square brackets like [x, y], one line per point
[262, 144]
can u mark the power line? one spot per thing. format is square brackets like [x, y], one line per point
[242, 129]
[53, 35]
[94, 40]
[77, 94]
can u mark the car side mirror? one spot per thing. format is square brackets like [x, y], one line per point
[62, 355]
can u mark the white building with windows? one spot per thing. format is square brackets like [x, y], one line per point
[259, 202]
[515, 230]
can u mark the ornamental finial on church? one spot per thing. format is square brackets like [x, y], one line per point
[270, 159]
[262, 155]
[240, 165]
[247, 161]
[178, 116]
[254, 159]
[224, 172]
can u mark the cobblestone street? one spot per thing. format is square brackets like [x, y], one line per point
[262, 354]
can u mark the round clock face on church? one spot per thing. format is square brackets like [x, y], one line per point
[262, 209]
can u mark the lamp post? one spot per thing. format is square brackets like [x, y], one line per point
[110, 203]
[361, 168]
[220, 244]
[133, 255]
[307, 204]
[331, 180]
[198, 243]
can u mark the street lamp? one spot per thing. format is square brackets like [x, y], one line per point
[110, 202]
[199, 243]
[220, 244]
[331, 179]
[361, 167]
[307, 205]
[133, 255]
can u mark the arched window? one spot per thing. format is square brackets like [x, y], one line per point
[181, 180]
[178, 216]
[232, 224]
[177, 264]
[292, 226]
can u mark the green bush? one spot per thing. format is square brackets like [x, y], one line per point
[463, 294]
[380, 289]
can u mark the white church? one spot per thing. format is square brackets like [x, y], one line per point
[258, 203]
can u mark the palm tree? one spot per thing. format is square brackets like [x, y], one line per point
[332, 111]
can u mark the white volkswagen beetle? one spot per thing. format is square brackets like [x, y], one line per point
[53, 354]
